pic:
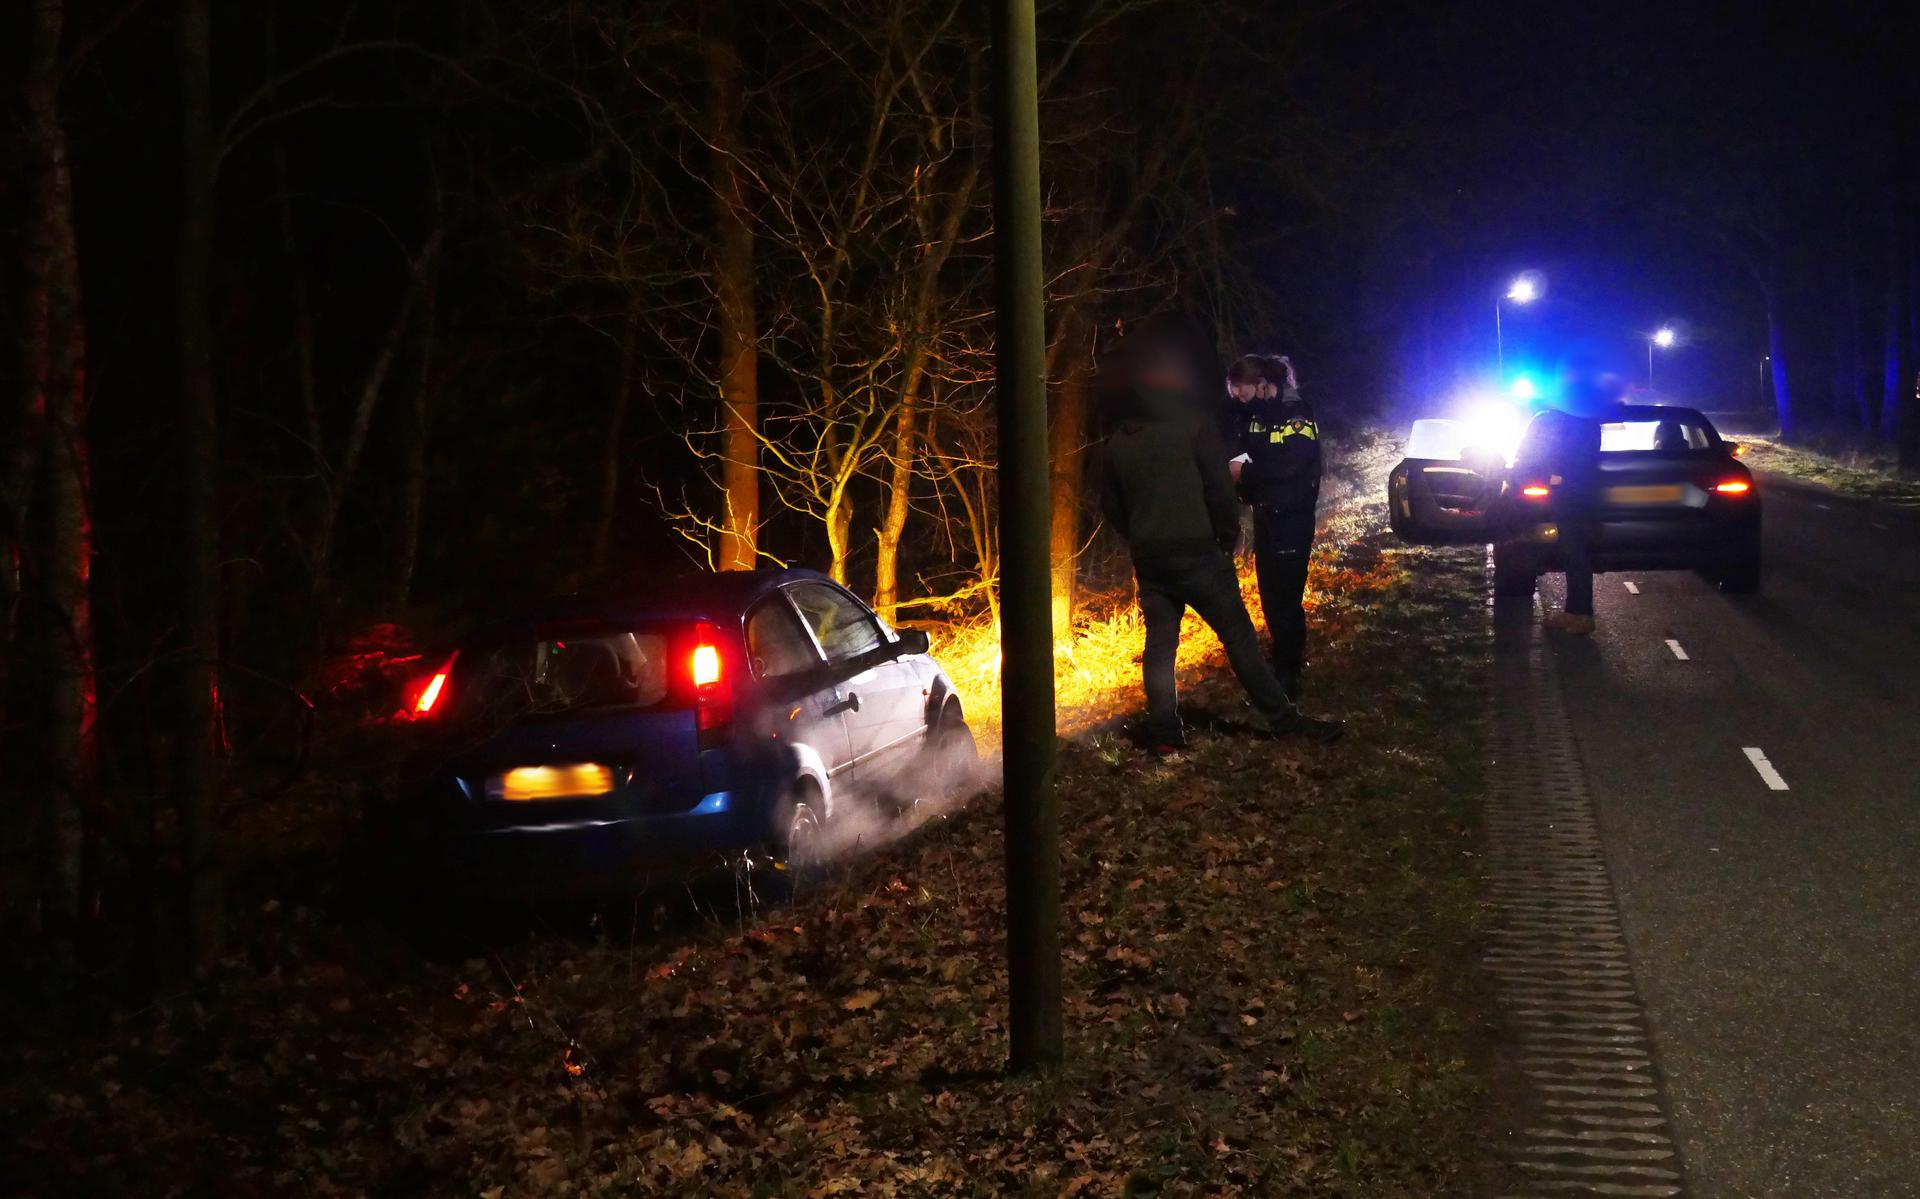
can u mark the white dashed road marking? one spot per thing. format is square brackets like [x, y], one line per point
[1677, 651]
[1767, 772]
[1633, 588]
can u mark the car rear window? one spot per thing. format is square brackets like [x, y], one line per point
[537, 676]
[1674, 435]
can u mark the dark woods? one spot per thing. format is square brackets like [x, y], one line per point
[391, 317]
[337, 327]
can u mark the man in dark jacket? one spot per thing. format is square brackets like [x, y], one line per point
[1168, 492]
[1279, 440]
[1563, 444]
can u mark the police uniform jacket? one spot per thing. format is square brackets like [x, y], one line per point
[1281, 478]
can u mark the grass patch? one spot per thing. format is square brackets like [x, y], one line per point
[1266, 964]
[1868, 474]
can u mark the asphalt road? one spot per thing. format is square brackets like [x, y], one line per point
[1775, 933]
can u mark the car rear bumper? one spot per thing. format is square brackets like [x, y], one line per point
[579, 852]
[1648, 544]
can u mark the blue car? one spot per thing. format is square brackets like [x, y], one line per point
[717, 719]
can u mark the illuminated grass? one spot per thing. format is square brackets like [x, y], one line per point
[1097, 663]
[1872, 474]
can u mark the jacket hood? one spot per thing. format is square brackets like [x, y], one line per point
[1155, 404]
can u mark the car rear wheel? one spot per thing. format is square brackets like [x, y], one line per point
[799, 832]
[1513, 573]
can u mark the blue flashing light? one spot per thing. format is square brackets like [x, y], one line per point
[1523, 388]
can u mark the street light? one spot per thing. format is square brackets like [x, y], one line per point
[1525, 289]
[1662, 337]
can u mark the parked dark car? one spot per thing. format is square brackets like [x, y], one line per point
[714, 719]
[1673, 496]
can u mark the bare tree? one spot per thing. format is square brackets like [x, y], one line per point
[60, 528]
[200, 778]
[733, 289]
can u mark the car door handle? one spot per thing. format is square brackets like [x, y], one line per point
[851, 702]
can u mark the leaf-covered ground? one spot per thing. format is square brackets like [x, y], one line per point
[1266, 950]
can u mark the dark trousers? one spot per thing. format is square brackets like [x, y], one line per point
[1576, 551]
[1206, 583]
[1280, 556]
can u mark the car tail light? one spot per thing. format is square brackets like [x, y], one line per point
[429, 695]
[1536, 491]
[706, 665]
[712, 688]
[1733, 487]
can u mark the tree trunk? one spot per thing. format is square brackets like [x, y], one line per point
[20, 469]
[340, 481]
[413, 469]
[1068, 441]
[1908, 440]
[1777, 366]
[201, 776]
[1852, 377]
[886, 582]
[1893, 337]
[305, 376]
[57, 370]
[612, 452]
[734, 293]
[839, 521]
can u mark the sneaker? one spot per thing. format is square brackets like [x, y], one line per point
[1568, 622]
[1299, 724]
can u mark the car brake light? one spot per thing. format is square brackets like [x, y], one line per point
[1536, 491]
[1733, 487]
[430, 694]
[706, 665]
[712, 692]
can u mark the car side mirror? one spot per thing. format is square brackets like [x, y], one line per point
[913, 641]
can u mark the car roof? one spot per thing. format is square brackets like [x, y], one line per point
[1644, 412]
[718, 596]
[1661, 412]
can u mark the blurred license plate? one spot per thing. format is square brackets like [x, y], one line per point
[551, 782]
[1661, 493]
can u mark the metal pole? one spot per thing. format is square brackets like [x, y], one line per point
[1026, 607]
[1499, 350]
[1649, 364]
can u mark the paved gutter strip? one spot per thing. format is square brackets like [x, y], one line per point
[1593, 1114]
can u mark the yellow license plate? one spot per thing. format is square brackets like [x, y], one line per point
[1663, 493]
[571, 781]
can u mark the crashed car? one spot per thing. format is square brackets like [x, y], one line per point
[605, 741]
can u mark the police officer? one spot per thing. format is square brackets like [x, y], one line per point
[1279, 475]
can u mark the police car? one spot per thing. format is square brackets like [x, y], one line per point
[1673, 495]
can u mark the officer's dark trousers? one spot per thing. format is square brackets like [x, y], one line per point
[1205, 582]
[1280, 556]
